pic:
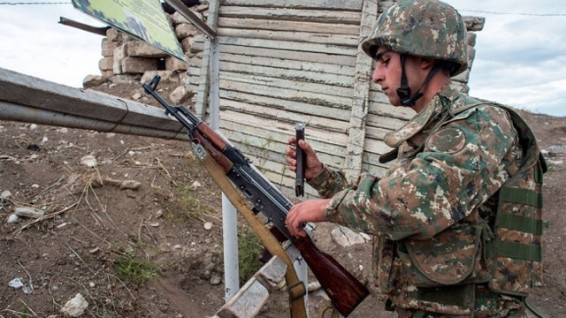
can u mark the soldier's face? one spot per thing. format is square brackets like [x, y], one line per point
[387, 73]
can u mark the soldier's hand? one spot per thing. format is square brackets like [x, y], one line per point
[313, 165]
[304, 212]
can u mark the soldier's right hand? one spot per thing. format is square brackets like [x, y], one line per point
[313, 165]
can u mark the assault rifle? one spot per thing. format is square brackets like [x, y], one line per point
[343, 289]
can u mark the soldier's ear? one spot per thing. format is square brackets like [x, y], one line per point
[426, 63]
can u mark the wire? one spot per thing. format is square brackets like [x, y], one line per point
[24, 3]
[462, 10]
[518, 13]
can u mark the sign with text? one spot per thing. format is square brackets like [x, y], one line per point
[144, 19]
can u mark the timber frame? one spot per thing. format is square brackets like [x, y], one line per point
[282, 62]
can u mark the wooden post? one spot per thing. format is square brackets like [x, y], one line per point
[360, 100]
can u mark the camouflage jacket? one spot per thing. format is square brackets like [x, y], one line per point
[436, 201]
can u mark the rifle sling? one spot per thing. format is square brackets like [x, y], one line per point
[296, 288]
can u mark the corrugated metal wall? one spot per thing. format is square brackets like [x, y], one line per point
[283, 62]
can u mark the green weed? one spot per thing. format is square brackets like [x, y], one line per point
[249, 249]
[186, 204]
[130, 268]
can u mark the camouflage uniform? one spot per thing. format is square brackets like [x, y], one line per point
[435, 211]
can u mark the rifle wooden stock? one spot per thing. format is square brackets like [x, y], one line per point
[343, 289]
[217, 155]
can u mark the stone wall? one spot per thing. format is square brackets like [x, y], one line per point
[126, 59]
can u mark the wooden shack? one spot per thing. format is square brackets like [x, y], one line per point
[282, 62]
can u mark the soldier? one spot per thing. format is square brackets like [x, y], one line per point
[458, 215]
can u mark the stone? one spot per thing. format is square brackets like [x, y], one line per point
[76, 306]
[93, 80]
[29, 212]
[180, 95]
[346, 237]
[89, 161]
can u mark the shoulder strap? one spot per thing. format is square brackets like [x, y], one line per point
[296, 287]
[526, 136]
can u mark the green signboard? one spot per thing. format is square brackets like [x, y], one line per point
[144, 19]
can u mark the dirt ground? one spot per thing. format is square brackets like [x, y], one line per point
[147, 200]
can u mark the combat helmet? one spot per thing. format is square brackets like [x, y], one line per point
[426, 28]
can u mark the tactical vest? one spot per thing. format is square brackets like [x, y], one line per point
[518, 225]
[504, 255]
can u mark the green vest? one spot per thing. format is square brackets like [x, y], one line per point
[504, 255]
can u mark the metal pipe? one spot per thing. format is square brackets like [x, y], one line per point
[84, 27]
[27, 114]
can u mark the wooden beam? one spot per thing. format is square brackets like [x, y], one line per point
[360, 99]
[327, 39]
[291, 57]
[354, 5]
[321, 15]
[203, 88]
[294, 46]
[291, 75]
[284, 25]
[330, 103]
[281, 115]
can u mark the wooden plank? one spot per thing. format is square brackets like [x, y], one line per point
[282, 25]
[203, 89]
[385, 109]
[203, 80]
[276, 147]
[299, 89]
[263, 80]
[376, 132]
[264, 144]
[292, 106]
[375, 146]
[324, 16]
[331, 103]
[312, 4]
[291, 57]
[275, 53]
[274, 131]
[280, 174]
[296, 47]
[259, 156]
[360, 99]
[327, 39]
[318, 67]
[376, 170]
[239, 73]
[287, 186]
[329, 91]
[384, 122]
[290, 74]
[313, 121]
[372, 159]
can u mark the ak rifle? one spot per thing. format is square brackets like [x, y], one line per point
[343, 289]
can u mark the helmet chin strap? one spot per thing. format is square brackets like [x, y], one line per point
[404, 91]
